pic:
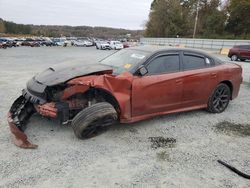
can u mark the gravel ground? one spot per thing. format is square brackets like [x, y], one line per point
[177, 150]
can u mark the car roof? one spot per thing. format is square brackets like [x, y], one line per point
[155, 48]
[152, 49]
[240, 46]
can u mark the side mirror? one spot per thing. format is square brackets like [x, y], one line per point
[142, 70]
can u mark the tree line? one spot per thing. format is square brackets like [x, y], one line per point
[228, 19]
[215, 19]
[7, 27]
[12, 28]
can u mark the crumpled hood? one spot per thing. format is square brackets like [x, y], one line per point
[63, 72]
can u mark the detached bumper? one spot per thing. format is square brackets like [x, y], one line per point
[19, 114]
[20, 139]
[23, 108]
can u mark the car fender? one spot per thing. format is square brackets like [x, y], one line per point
[118, 86]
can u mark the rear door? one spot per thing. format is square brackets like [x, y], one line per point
[199, 79]
[160, 89]
[245, 51]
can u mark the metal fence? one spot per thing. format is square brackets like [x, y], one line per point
[195, 43]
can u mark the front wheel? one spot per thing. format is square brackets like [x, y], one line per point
[92, 120]
[220, 98]
[234, 57]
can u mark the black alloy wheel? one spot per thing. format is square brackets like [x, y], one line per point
[219, 100]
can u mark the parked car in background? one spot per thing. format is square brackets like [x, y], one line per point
[3, 43]
[116, 45]
[103, 45]
[84, 43]
[61, 42]
[239, 52]
[18, 41]
[58, 42]
[125, 45]
[44, 42]
[7, 43]
[31, 42]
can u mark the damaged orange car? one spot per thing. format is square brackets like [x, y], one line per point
[130, 85]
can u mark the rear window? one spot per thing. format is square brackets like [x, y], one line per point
[193, 62]
[245, 47]
[242, 46]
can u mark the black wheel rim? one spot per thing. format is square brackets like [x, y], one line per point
[98, 126]
[221, 98]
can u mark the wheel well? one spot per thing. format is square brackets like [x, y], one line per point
[230, 85]
[237, 54]
[108, 97]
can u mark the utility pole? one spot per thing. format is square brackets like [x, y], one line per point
[196, 18]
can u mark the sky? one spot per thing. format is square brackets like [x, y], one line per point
[128, 14]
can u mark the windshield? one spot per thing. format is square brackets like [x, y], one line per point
[124, 60]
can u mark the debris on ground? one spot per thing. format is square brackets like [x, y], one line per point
[233, 129]
[161, 142]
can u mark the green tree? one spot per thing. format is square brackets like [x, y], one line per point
[239, 18]
[2, 27]
[168, 18]
[212, 19]
[165, 19]
[215, 24]
[14, 28]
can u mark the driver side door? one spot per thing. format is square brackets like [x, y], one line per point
[160, 90]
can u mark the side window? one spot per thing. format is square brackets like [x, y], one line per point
[194, 62]
[164, 64]
[246, 47]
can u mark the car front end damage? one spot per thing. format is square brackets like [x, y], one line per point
[64, 100]
[38, 98]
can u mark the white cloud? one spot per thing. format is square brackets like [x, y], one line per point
[111, 13]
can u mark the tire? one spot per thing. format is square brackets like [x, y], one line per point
[93, 120]
[220, 98]
[234, 57]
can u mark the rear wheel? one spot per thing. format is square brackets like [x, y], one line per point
[234, 57]
[93, 120]
[220, 98]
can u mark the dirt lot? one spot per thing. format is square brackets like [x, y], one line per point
[177, 150]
